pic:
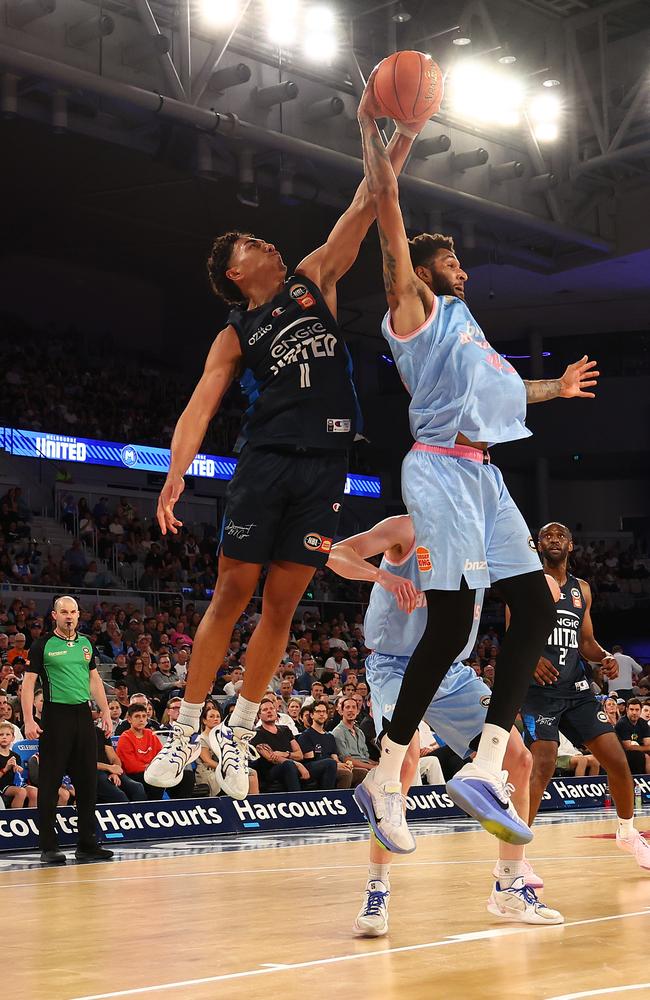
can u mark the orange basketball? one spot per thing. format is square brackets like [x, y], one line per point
[408, 86]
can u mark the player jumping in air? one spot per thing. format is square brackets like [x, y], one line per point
[470, 534]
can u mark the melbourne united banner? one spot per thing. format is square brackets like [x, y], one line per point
[210, 817]
[64, 448]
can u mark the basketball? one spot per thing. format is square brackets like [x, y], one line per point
[408, 86]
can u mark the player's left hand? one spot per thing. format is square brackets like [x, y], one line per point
[578, 377]
[404, 592]
[369, 105]
[609, 665]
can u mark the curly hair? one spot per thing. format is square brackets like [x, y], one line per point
[423, 247]
[218, 263]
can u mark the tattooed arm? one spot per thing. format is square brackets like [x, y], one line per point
[410, 301]
[578, 377]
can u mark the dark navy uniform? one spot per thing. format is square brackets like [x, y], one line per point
[284, 500]
[568, 705]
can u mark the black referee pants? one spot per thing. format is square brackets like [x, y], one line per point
[68, 745]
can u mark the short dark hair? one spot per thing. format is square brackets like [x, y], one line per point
[347, 698]
[135, 707]
[633, 701]
[423, 247]
[219, 262]
[320, 704]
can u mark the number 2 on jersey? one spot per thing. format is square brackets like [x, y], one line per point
[563, 653]
[305, 380]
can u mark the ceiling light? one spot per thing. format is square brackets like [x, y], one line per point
[401, 15]
[219, 13]
[461, 40]
[506, 58]
[282, 21]
[550, 82]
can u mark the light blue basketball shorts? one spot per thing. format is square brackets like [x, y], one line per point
[457, 712]
[466, 523]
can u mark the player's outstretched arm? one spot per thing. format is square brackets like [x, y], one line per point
[329, 262]
[578, 377]
[221, 368]
[587, 645]
[409, 299]
[394, 535]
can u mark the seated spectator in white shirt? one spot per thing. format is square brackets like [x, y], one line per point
[234, 685]
[569, 758]
[182, 661]
[317, 693]
[337, 662]
[336, 642]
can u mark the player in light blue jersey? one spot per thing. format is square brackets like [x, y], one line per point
[395, 621]
[470, 534]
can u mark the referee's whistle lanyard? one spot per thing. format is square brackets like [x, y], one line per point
[66, 638]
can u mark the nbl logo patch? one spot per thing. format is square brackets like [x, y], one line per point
[302, 295]
[87, 654]
[602, 717]
[576, 597]
[316, 543]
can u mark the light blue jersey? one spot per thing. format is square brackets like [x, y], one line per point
[457, 382]
[395, 633]
[458, 709]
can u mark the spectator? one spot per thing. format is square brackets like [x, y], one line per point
[317, 693]
[113, 785]
[122, 696]
[137, 681]
[337, 663]
[308, 675]
[569, 758]
[66, 790]
[18, 648]
[7, 715]
[234, 685]
[14, 796]
[120, 668]
[165, 679]
[75, 562]
[305, 717]
[645, 711]
[137, 747]
[286, 691]
[143, 701]
[207, 762]
[634, 734]
[293, 711]
[351, 742]
[182, 661]
[488, 674]
[280, 758]
[628, 671]
[611, 711]
[114, 708]
[317, 744]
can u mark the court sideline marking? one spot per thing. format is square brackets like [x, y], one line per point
[266, 971]
[274, 871]
[602, 992]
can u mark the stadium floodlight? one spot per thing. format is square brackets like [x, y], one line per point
[281, 21]
[320, 42]
[482, 94]
[219, 13]
[546, 131]
[544, 113]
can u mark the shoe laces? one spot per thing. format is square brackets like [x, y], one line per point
[527, 893]
[236, 751]
[505, 787]
[375, 902]
[395, 803]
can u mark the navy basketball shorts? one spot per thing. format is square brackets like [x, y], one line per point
[546, 713]
[284, 506]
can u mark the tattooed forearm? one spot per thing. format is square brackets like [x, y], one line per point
[376, 161]
[390, 264]
[539, 392]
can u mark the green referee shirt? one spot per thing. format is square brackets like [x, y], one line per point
[64, 666]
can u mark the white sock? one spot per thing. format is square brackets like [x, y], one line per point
[379, 873]
[626, 827]
[190, 714]
[244, 713]
[508, 871]
[390, 762]
[492, 748]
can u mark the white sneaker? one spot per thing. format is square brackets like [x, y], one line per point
[232, 749]
[372, 918]
[382, 807]
[485, 795]
[181, 749]
[636, 845]
[530, 877]
[520, 903]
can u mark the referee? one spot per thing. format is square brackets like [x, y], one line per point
[64, 660]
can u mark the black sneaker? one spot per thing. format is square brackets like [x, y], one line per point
[95, 853]
[55, 857]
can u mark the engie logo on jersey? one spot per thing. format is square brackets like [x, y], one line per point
[316, 543]
[576, 597]
[302, 295]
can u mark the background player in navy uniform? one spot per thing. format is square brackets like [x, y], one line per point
[469, 531]
[395, 620]
[560, 699]
[282, 341]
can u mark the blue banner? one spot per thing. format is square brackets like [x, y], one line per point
[145, 458]
[187, 818]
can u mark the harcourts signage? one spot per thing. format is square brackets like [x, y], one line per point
[146, 458]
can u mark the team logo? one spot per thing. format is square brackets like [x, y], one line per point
[277, 312]
[87, 654]
[423, 557]
[531, 544]
[476, 564]
[576, 597]
[302, 296]
[316, 543]
[336, 507]
[129, 456]
[602, 717]
[485, 700]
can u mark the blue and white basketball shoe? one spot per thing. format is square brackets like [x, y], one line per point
[372, 918]
[519, 902]
[382, 805]
[486, 796]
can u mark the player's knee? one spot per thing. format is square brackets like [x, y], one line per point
[230, 596]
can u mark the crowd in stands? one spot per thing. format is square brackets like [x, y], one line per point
[315, 727]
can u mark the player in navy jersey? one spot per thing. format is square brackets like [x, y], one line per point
[470, 534]
[283, 342]
[560, 699]
[394, 623]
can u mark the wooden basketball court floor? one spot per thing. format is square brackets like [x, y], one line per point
[196, 921]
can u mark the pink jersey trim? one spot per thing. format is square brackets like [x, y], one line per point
[404, 559]
[410, 336]
[459, 451]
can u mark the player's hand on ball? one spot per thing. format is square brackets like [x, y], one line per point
[404, 592]
[610, 667]
[578, 377]
[169, 495]
[545, 672]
